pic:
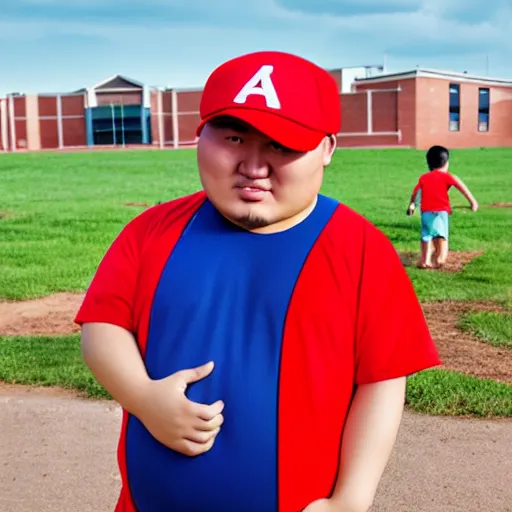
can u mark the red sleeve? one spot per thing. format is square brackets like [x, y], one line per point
[451, 181]
[110, 295]
[416, 188]
[392, 337]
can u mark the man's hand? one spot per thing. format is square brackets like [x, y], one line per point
[474, 206]
[411, 209]
[175, 421]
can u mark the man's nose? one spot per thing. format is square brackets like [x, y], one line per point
[253, 164]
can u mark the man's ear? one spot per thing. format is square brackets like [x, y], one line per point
[329, 148]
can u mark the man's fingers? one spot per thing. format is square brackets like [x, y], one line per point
[202, 437]
[212, 424]
[193, 449]
[207, 412]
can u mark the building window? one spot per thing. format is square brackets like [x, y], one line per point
[454, 107]
[483, 109]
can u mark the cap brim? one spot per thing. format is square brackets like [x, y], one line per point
[287, 133]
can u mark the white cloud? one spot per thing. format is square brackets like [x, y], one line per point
[179, 42]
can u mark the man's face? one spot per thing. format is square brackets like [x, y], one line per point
[255, 182]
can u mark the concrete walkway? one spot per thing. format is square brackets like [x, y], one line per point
[58, 454]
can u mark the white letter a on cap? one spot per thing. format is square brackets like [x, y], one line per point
[266, 89]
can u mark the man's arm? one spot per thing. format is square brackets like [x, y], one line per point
[368, 439]
[113, 357]
[464, 190]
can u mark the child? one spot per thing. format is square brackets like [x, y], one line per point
[435, 206]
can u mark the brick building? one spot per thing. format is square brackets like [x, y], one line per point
[455, 109]
[411, 109]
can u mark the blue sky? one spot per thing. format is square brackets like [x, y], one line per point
[62, 45]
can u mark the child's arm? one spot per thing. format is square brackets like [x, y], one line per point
[464, 190]
[412, 202]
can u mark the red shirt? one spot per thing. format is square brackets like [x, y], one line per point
[434, 186]
[293, 320]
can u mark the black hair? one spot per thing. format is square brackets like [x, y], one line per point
[437, 157]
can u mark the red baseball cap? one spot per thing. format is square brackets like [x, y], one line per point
[288, 98]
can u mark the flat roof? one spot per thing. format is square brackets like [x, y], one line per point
[436, 73]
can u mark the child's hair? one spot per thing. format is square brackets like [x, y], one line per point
[437, 157]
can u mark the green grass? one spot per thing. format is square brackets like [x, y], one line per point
[440, 392]
[60, 212]
[47, 361]
[493, 327]
[57, 361]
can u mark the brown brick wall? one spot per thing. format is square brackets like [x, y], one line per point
[73, 105]
[403, 116]
[47, 106]
[49, 133]
[385, 111]
[354, 117]
[368, 141]
[433, 115]
[74, 132]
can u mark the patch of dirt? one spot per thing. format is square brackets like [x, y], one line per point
[48, 316]
[461, 351]
[501, 205]
[20, 390]
[455, 263]
[145, 205]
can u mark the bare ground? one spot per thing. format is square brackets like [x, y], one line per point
[456, 262]
[51, 315]
[66, 459]
[501, 205]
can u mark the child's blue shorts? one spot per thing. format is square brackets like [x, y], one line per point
[434, 225]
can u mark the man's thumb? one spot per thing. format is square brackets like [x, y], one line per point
[198, 373]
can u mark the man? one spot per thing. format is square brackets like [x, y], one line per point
[256, 333]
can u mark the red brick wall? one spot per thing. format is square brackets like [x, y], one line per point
[74, 132]
[401, 116]
[433, 115]
[20, 123]
[73, 121]
[188, 117]
[187, 112]
[354, 114]
[373, 140]
[49, 133]
[47, 106]
[385, 111]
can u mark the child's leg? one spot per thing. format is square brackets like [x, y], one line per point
[441, 245]
[426, 254]
[441, 238]
[426, 240]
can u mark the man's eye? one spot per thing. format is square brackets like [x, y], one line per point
[235, 138]
[279, 147]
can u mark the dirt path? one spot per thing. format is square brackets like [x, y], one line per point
[58, 452]
[66, 460]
